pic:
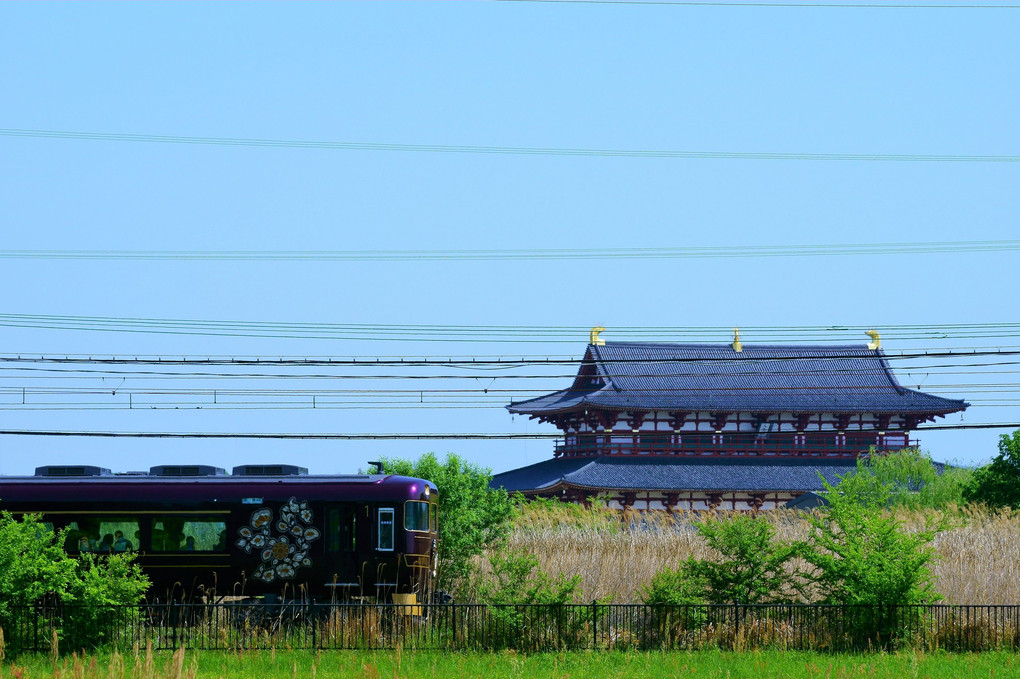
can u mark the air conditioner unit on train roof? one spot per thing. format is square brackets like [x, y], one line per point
[269, 470]
[71, 470]
[186, 470]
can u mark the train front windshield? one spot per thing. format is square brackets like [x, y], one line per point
[416, 516]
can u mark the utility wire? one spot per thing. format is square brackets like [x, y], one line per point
[379, 436]
[553, 254]
[503, 334]
[14, 361]
[322, 405]
[476, 391]
[541, 331]
[506, 150]
[768, 3]
[148, 375]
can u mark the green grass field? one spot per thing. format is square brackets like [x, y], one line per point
[377, 665]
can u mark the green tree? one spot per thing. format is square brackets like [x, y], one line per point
[510, 590]
[102, 595]
[913, 479]
[752, 567]
[101, 580]
[517, 579]
[32, 563]
[998, 484]
[471, 516]
[862, 555]
[34, 567]
[676, 586]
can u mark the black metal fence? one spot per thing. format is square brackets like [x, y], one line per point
[230, 626]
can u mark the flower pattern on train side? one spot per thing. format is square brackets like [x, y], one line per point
[286, 552]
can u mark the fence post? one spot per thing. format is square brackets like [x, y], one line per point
[736, 623]
[829, 627]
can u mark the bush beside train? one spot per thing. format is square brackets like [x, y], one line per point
[263, 531]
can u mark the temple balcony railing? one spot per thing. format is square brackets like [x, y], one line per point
[833, 445]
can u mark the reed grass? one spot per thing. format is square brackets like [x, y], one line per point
[616, 554]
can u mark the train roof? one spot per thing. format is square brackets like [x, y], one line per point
[144, 488]
[272, 473]
[351, 479]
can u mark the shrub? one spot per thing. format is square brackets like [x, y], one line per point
[100, 597]
[516, 579]
[471, 515]
[526, 607]
[678, 597]
[913, 480]
[998, 484]
[34, 568]
[752, 567]
[861, 553]
[676, 586]
[32, 564]
[113, 580]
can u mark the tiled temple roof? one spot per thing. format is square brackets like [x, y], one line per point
[662, 473]
[760, 379]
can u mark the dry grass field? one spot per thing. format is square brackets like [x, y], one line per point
[616, 555]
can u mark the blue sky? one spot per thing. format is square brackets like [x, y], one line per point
[711, 78]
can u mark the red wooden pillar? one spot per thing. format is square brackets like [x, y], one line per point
[676, 422]
[718, 422]
[634, 422]
[882, 422]
[800, 424]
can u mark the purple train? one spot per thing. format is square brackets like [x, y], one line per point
[262, 531]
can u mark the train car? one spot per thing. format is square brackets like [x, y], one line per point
[261, 531]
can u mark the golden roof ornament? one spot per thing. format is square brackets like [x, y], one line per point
[876, 340]
[594, 337]
[737, 345]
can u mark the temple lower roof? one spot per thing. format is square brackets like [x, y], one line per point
[667, 473]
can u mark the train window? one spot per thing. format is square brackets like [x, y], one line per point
[385, 529]
[416, 515]
[433, 523]
[341, 529]
[103, 534]
[350, 531]
[188, 534]
[333, 536]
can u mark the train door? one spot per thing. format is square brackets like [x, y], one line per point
[344, 535]
[386, 573]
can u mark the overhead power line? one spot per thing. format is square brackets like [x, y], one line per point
[769, 3]
[226, 435]
[88, 375]
[479, 392]
[15, 361]
[557, 254]
[377, 436]
[984, 405]
[506, 150]
[493, 334]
